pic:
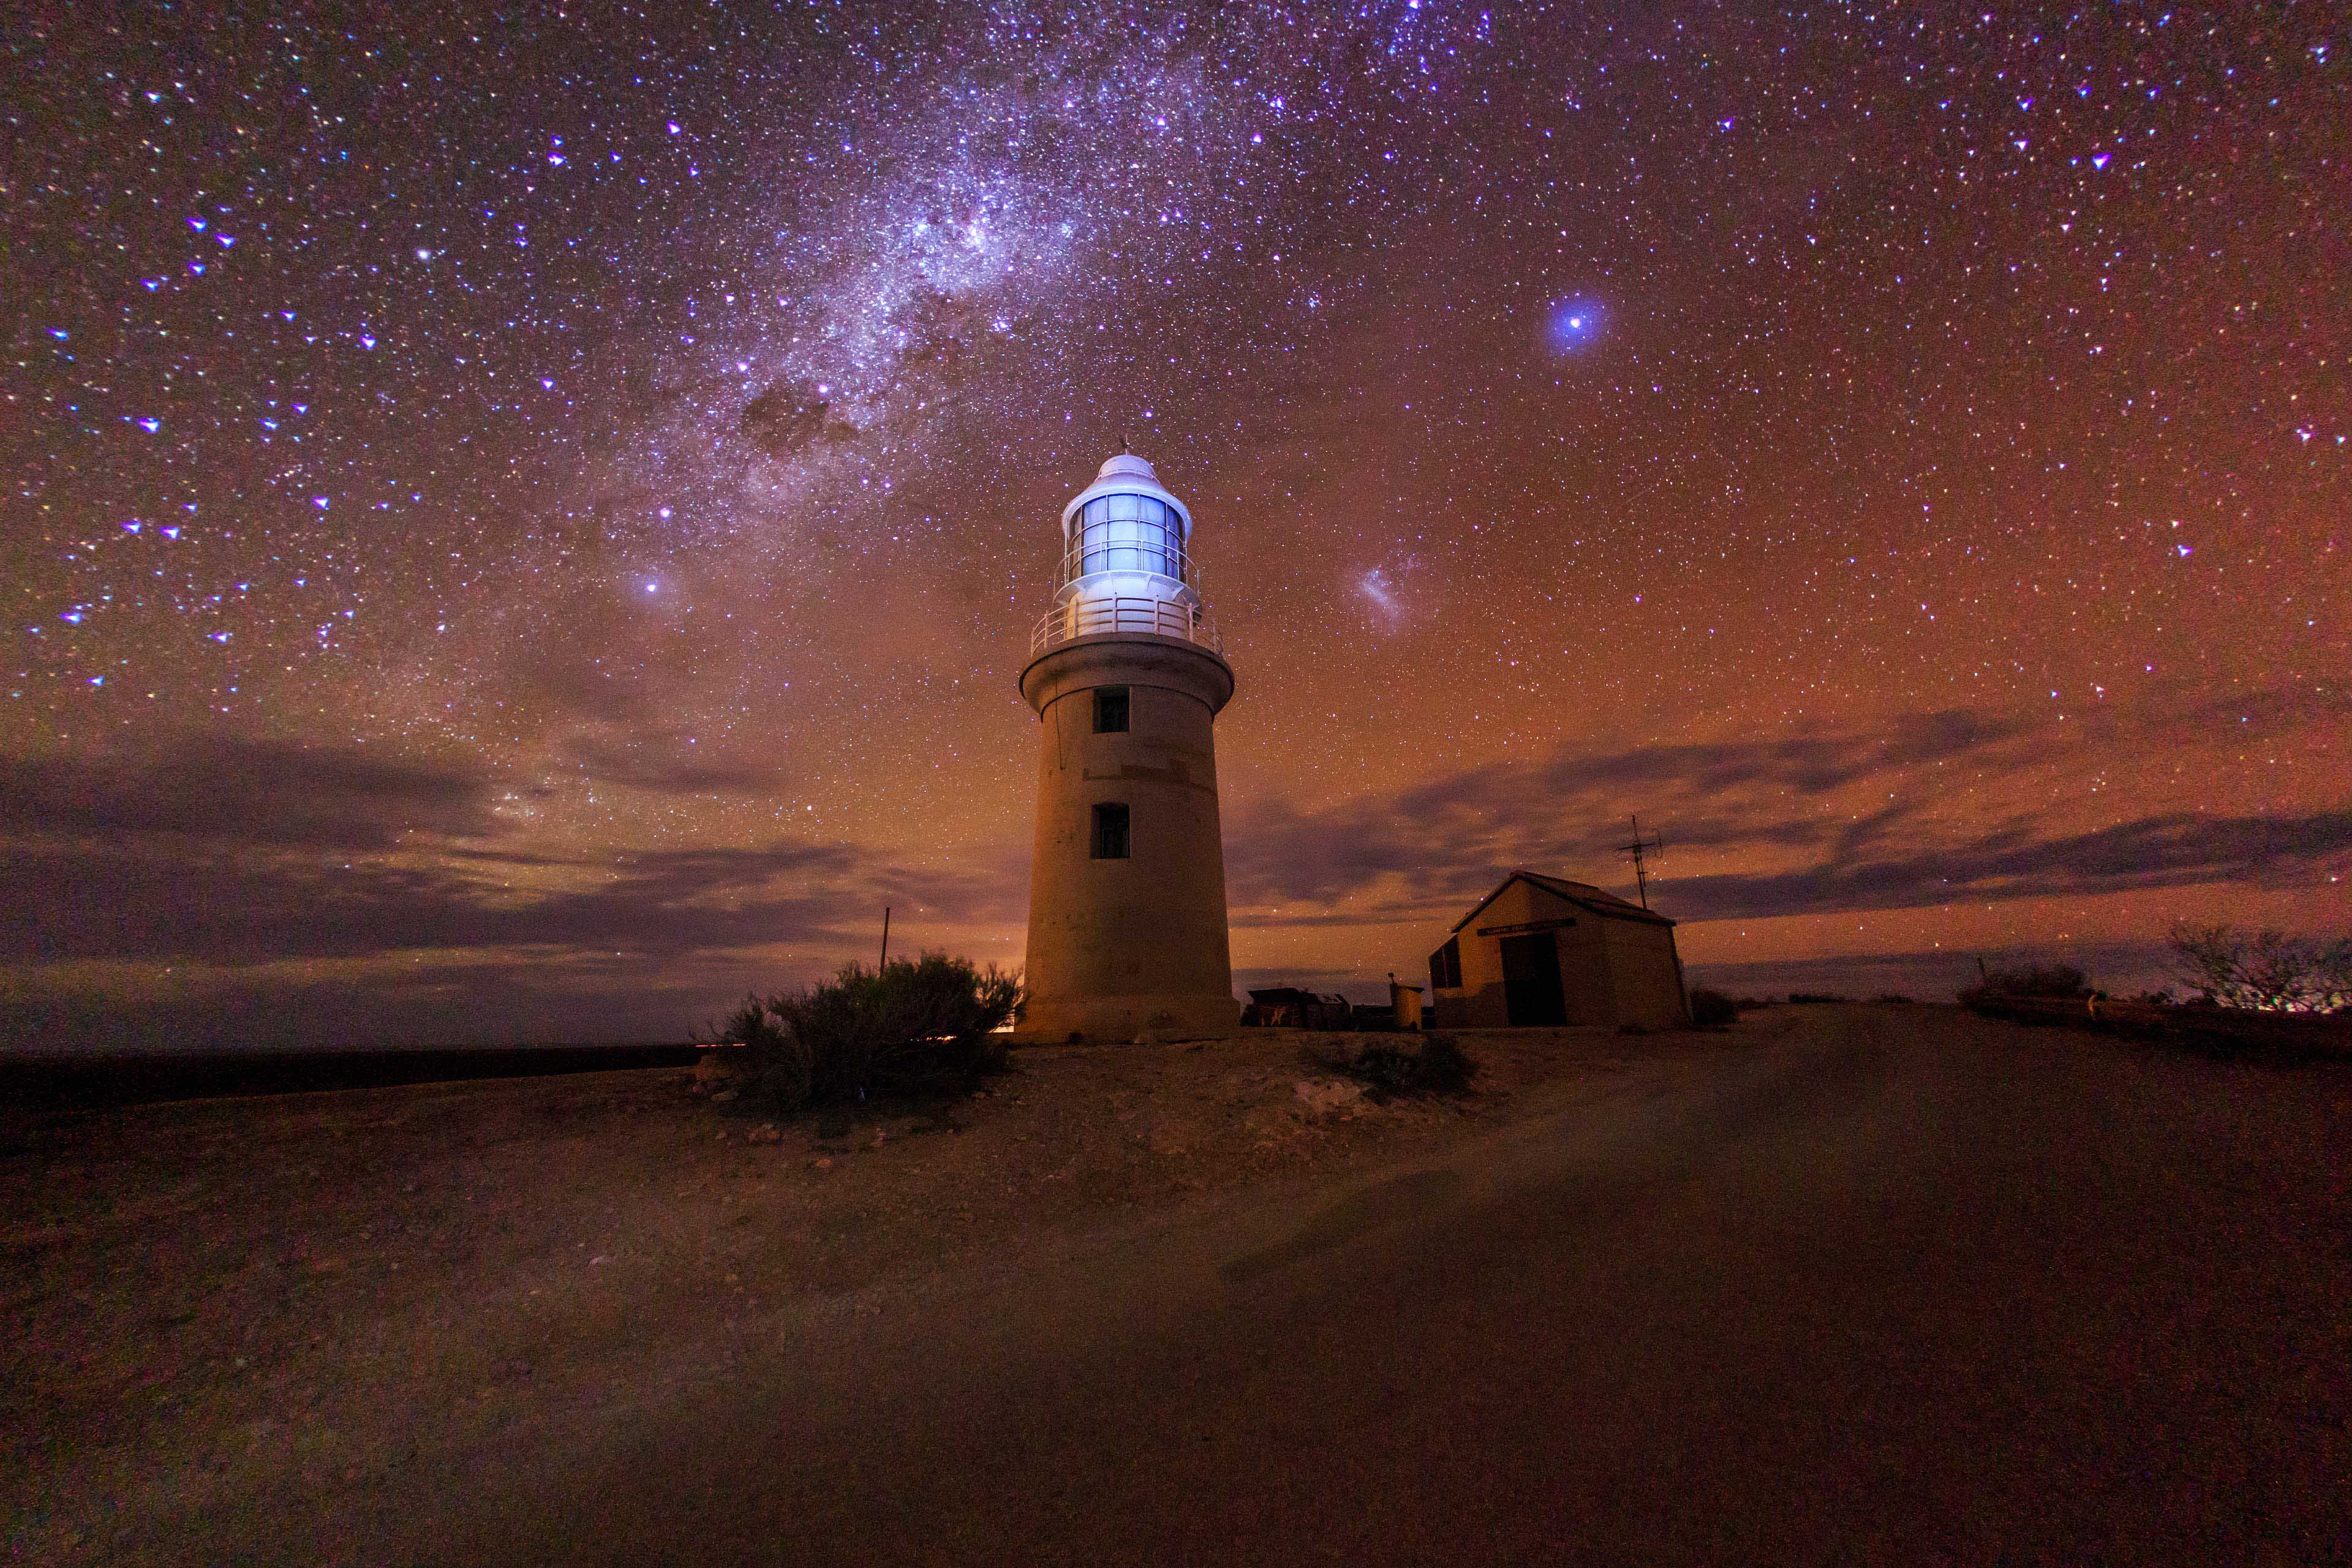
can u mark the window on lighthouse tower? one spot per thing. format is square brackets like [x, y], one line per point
[1110, 709]
[1110, 831]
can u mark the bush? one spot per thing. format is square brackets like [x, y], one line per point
[917, 1026]
[1711, 1009]
[2266, 971]
[1894, 996]
[2062, 980]
[1437, 1066]
[1808, 998]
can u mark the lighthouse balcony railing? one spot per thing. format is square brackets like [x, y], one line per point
[1104, 617]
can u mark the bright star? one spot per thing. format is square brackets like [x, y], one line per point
[1572, 323]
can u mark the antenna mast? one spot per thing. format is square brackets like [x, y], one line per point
[1640, 850]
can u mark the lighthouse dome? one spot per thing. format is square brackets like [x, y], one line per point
[1124, 465]
[1127, 474]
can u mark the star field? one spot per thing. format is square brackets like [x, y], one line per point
[528, 526]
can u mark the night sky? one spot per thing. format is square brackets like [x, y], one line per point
[524, 525]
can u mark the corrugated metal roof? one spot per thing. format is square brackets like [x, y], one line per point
[1582, 894]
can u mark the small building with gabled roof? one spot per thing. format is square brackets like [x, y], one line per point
[1543, 950]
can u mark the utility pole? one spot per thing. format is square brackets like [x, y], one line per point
[886, 937]
[1640, 849]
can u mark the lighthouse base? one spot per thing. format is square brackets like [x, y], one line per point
[1126, 932]
[1109, 1020]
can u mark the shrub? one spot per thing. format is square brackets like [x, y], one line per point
[2267, 970]
[2036, 979]
[769, 1066]
[924, 1025]
[1896, 996]
[1437, 1066]
[1806, 998]
[1711, 1009]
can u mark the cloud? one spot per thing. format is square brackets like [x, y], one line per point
[1429, 848]
[231, 852]
[2168, 851]
[1811, 764]
[161, 942]
[153, 902]
[399, 901]
[657, 761]
[1455, 835]
[258, 792]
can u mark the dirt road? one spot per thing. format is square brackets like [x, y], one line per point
[1896, 1284]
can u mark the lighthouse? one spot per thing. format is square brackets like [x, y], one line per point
[1127, 891]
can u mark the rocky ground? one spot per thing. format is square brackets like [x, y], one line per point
[215, 1300]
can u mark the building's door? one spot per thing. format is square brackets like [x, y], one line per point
[1531, 979]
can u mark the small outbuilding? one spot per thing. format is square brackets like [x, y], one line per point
[1543, 950]
[1289, 1008]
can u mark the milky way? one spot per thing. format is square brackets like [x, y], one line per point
[528, 527]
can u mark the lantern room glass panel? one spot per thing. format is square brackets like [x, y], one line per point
[1129, 533]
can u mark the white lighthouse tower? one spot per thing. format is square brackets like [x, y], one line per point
[1127, 893]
